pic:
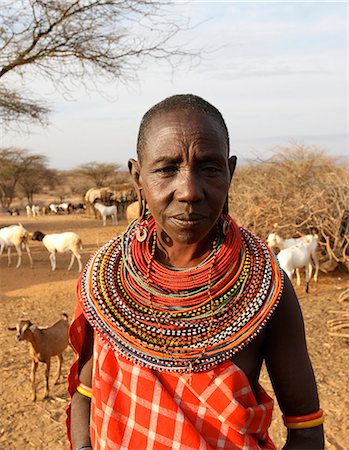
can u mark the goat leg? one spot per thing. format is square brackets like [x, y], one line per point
[19, 252]
[59, 368]
[9, 256]
[79, 262]
[29, 254]
[78, 259]
[308, 273]
[316, 262]
[71, 261]
[47, 374]
[298, 277]
[53, 261]
[32, 378]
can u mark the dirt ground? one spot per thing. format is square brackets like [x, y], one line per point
[41, 295]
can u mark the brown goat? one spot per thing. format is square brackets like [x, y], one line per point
[44, 343]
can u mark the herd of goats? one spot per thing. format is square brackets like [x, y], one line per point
[17, 236]
[51, 341]
[294, 254]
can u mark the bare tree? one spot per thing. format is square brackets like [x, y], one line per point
[77, 41]
[15, 107]
[98, 174]
[35, 178]
[18, 167]
[10, 172]
[298, 191]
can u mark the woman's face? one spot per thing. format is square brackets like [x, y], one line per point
[184, 174]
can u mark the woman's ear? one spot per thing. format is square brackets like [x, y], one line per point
[232, 165]
[134, 169]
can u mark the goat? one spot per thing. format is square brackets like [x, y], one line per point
[61, 243]
[107, 211]
[65, 208]
[16, 236]
[13, 211]
[44, 343]
[53, 208]
[274, 240]
[78, 207]
[298, 256]
[35, 210]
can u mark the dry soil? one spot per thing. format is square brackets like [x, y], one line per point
[41, 295]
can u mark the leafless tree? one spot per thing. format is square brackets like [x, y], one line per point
[18, 169]
[35, 178]
[78, 41]
[98, 174]
[15, 107]
[298, 191]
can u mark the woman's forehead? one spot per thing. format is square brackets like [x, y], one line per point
[185, 126]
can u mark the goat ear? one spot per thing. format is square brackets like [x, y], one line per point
[12, 328]
[32, 327]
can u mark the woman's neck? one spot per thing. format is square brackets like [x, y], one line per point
[180, 255]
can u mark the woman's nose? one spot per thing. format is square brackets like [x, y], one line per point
[189, 187]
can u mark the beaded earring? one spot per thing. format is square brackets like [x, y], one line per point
[142, 223]
[225, 224]
[225, 227]
[225, 212]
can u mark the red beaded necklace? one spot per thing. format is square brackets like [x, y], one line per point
[208, 276]
[183, 320]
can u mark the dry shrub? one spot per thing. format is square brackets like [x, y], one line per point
[298, 191]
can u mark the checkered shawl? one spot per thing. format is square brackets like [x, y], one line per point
[138, 408]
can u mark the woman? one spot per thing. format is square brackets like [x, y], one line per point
[176, 315]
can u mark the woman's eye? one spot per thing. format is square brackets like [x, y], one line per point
[167, 169]
[211, 170]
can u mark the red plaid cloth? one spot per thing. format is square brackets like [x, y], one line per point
[137, 408]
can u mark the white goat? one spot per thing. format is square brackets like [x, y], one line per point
[35, 210]
[298, 256]
[61, 243]
[65, 208]
[107, 211]
[45, 343]
[15, 236]
[53, 208]
[274, 240]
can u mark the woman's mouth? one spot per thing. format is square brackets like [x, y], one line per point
[187, 220]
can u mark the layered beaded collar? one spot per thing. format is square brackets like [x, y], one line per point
[181, 320]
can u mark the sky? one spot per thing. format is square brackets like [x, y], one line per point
[277, 71]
